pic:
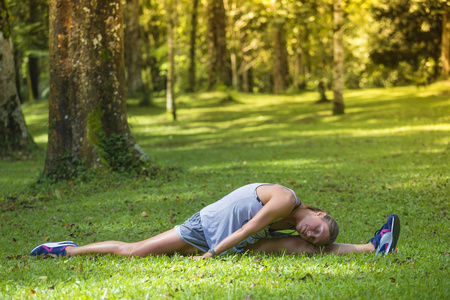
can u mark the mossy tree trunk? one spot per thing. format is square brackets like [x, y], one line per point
[87, 106]
[338, 56]
[13, 131]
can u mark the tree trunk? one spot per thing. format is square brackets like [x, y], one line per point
[219, 71]
[88, 125]
[446, 42]
[13, 131]
[280, 63]
[133, 56]
[245, 68]
[192, 68]
[170, 94]
[338, 57]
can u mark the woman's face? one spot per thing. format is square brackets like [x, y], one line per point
[313, 229]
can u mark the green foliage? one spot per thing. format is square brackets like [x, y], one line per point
[69, 166]
[409, 33]
[389, 153]
[4, 20]
[117, 152]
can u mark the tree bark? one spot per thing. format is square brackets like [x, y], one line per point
[13, 131]
[88, 125]
[192, 67]
[219, 71]
[338, 57]
[446, 42]
[170, 93]
[133, 56]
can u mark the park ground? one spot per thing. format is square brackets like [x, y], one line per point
[388, 154]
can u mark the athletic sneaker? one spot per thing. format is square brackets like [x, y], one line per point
[58, 249]
[386, 237]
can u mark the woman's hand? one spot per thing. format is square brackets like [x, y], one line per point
[204, 256]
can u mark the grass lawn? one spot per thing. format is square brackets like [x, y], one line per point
[388, 154]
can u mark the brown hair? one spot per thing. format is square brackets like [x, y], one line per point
[333, 226]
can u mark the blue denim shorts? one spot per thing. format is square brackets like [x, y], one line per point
[191, 232]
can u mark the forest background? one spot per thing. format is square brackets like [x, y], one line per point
[254, 46]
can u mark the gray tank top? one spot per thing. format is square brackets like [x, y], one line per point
[222, 218]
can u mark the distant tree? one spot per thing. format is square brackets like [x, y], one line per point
[192, 46]
[13, 131]
[446, 41]
[88, 125]
[338, 50]
[34, 68]
[219, 71]
[154, 39]
[170, 6]
[133, 55]
[29, 22]
[279, 55]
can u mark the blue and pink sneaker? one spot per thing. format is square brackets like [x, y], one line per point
[385, 239]
[58, 249]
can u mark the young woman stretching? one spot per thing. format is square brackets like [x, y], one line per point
[246, 219]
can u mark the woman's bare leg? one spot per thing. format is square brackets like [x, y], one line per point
[297, 245]
[165, 243]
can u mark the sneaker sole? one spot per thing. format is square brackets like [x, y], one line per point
[395, 225]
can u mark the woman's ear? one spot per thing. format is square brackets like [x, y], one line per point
[321, 214]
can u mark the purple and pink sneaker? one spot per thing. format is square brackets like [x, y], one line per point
[58, 249]
[385, 239]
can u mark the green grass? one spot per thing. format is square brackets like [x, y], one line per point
[388, 154]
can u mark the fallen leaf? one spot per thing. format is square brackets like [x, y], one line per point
[306, 276]
[257, 258]
[144, 214]
[249, 297]
[46, 239]
[170, 295]
[392, 279]
[32, 292]
[80, 269]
